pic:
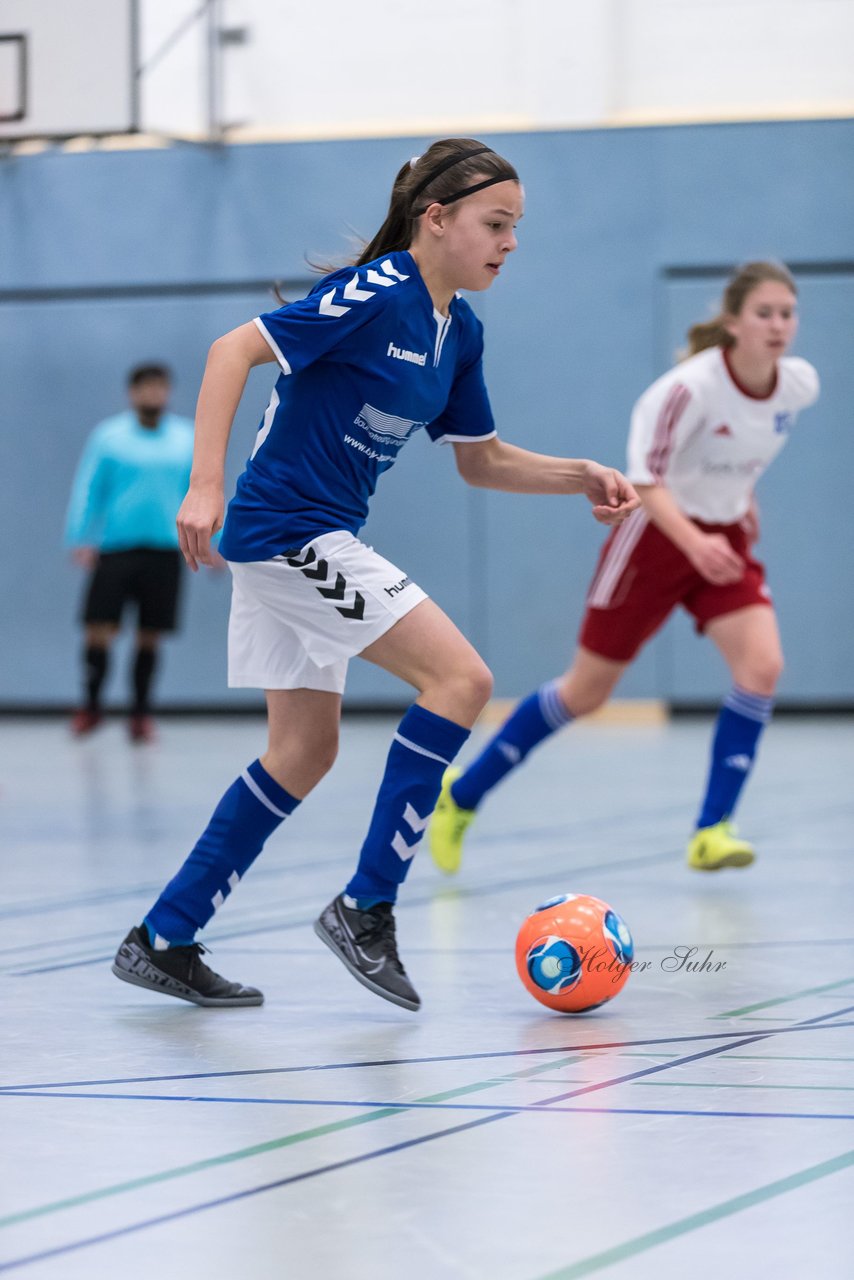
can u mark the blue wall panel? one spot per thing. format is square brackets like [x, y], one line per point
[583, 318]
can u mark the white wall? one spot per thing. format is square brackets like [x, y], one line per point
[340, 68]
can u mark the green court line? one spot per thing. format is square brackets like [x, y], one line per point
[775, 1057]
[768, 1004]
[275, 1144]
[692, 1084]
[630, 1249]
[661, 1057]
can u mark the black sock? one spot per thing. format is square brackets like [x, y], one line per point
[144, 666]
[95, 662]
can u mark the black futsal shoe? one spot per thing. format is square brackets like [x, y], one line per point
[179, 972]
[364, 941]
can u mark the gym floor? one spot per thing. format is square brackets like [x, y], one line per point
[700, 1124]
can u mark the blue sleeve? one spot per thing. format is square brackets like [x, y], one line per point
[88, 492]
[468, 413]
[337, 307]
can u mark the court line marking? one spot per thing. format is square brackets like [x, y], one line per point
[262, 1148]
[631, 1248]
[335, 1126]
[413, 900]
[768, 1004]
[678, 1062]
[544, 1108]
[599, 1046]
[705, 1084]
[37, 906]
[189, 1210]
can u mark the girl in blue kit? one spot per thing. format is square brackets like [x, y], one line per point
[375, 352]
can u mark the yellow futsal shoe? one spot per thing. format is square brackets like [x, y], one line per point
[712, 848]
[448, 825]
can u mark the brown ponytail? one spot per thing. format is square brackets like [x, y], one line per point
[714, 333]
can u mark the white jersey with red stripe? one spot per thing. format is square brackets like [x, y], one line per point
[707, 439]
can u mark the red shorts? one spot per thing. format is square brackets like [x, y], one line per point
[641, 576]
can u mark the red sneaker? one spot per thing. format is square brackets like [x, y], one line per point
[141, 729]
[84, 721]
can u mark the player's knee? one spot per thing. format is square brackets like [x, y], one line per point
[301, 763]
[324, 755]
[475, 683]
[763, 674]
[583, 697]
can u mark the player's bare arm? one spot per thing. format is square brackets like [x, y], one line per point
[711, 554]
[495, 464]
[229, 361]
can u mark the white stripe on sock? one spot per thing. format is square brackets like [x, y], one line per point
[259, 794]
[553, 710]
[753, 706]
[422, 751]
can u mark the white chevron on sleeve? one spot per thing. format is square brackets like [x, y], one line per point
[329, 308]
[353, 293]
[374, 277]
[403, 850]
[416, 823]
[392, 271]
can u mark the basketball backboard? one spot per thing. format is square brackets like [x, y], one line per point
[67, 68]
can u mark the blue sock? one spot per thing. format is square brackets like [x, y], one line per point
[742, 718]
[535, 718]
[423, 747]
[247, 814]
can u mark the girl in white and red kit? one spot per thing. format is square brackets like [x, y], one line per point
[700, 437]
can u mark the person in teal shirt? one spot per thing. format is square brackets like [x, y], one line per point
[129, 484]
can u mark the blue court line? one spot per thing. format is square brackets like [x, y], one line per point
[678, 1062]
[406, 1062]
[498, 838]
[544, 1108]
[243, 1195]
[418, 900]
[501, 1115]
[788, 943]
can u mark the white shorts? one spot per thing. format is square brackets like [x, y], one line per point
[297, 620]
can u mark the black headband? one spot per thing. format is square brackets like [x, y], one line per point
[467, 191]
[447, 164]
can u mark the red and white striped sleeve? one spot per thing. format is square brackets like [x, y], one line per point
[663, 418]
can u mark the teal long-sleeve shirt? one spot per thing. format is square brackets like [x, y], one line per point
[129, 484]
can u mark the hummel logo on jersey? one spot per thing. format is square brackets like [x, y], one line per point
[353, 292]
[414, 357]
[722, 430]
[398, 587]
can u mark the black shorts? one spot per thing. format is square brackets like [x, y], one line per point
[143, 576]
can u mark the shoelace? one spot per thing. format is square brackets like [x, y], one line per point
[379, 929]
[196, 950]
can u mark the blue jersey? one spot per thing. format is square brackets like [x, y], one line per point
[366, 361]
[129, 484]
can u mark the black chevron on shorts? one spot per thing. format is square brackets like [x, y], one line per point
[358, 609]
[320, 571]
[336, 592]
[293, 558]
